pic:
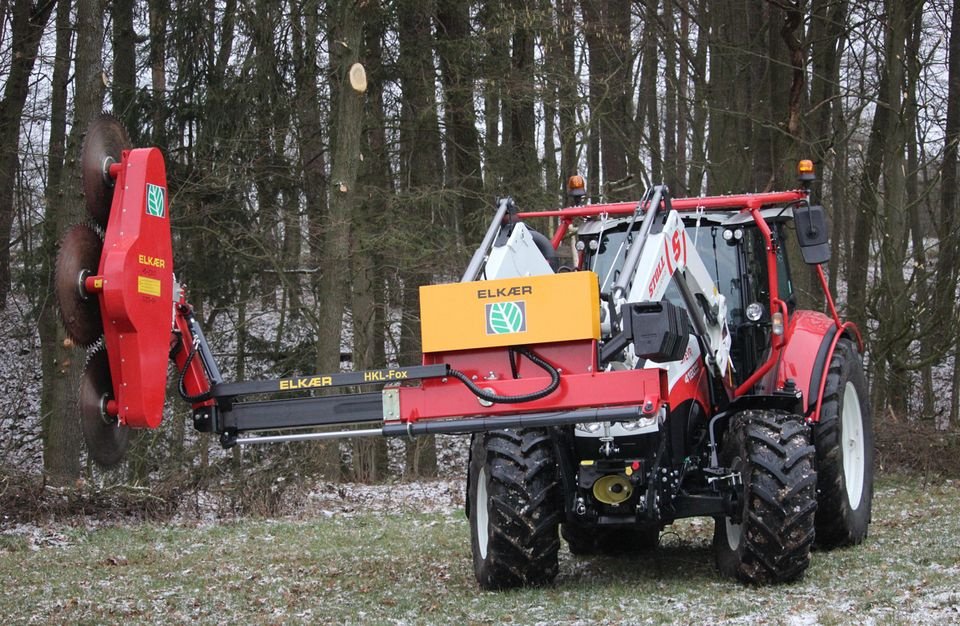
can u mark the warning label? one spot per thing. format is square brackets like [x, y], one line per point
[148, 286]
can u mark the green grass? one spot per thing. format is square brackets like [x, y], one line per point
[415, 568]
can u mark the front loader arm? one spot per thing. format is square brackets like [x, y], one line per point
[669, 255]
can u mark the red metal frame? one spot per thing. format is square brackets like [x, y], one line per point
[581, 386]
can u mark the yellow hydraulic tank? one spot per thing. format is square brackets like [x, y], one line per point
[510, 311]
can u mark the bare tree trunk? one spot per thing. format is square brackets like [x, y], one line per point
[29, 20]
[864, 219]
[62, 364]
[56, 391]
[496, 66]
[894, 328]
[787, 145]
[267, 164]
[334, 285]
[548, 34]
[698, 165]
[827, 36]
[157, 57]
[606, 24]
[593, 31]
[671, 174]
[682, 103]
[737, 59]
[370, 458]
[929, 331]
[949, 222]
[647, 99]
[523, 181]
[420, 170]
[456, 52]
[566, 90]
[123, 88]
[310, 128]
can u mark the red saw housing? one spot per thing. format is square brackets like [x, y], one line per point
[136, 306]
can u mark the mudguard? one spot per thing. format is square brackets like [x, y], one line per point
[813, 338]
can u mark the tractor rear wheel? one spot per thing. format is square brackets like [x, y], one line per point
[514, 508]
[769, 539]
[844, 441]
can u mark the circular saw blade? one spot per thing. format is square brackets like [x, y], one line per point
[104, 143]
[79, 256]
[107, 440]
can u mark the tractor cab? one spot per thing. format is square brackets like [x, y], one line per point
[734, 252]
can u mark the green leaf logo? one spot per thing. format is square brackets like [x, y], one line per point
[506, 317]
[156, 201]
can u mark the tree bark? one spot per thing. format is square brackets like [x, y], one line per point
[421, 165]
[345, 142]
[647, 90]
[157, 58]
[375, 183]
[523, 180]
[698, 163]
[455, 50]
[28, 21]
[671, 174]
[949, 217]
[123, 87]
[310, 135]
[566, 90]
[62, 362]
[56, 391]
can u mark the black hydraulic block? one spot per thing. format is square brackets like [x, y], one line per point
[659, 330]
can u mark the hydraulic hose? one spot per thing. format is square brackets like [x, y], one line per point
[489, 396]
[182, 388]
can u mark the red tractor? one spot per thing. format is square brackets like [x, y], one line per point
[666, 372]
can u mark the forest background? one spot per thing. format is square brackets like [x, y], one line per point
[306, 216]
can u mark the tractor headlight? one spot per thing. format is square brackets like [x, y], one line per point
[754, 311]
[732, 235]
[591, 428]
[639, 424]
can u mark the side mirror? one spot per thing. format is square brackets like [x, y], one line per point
[812, 233]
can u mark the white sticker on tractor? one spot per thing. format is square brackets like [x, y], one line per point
[506, 317]
[156, 201]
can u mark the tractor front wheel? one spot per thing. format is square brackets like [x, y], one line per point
[514, 508]
[768, 540]
[844, 441]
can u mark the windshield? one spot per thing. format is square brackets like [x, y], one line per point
[607, 260]
[722, 263]
[720, 258]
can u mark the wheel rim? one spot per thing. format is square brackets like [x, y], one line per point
[483, 519]
[734, 532]
[852, 436]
